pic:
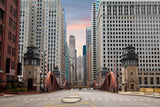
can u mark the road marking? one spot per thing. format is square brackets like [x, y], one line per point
[17, 99]
[114, 99]
[52, 103]
[24, 99]
[93, 98]
[45, 99]
[90, 104]
[135, 99]
[149, 100]
[106, 99]
[128, 100]
[99, 99]
[52, 99]
[39, 99]
[86, 99]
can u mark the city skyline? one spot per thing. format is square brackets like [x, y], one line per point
[77, 21]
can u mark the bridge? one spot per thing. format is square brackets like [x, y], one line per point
[109, 83]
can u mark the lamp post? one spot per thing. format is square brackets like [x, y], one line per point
[43, 73]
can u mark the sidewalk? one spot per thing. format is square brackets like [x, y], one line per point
[152, 95]
[7, 95]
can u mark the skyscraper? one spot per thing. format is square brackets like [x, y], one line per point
[9, 34]
[42, 25]
[72, 57]
[88, 55]
[124, 23]
[84, 66]
[94, 41]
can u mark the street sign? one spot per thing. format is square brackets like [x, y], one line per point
[1, 71]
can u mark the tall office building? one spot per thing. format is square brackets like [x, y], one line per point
[124, 23]
[97, 5]
[88, 55]
[42, 25]
[72, 57]
[94, 42]
[79, 70]
[84, 66]
[9, 34]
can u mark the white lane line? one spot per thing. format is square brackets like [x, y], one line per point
[52, 99]
[114, 99]
[141, 99]
[59, 98]
[24, 99]
[93, 98]
[17, 99]
[106, 99]
[45, 99]
[128, 100]
[27, 101]
[39, 99]
[135, 99]
[148, 100]
[86, 99]
[120, 99]
[99, 99]
[31, 99]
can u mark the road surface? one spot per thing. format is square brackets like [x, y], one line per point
[90, 98]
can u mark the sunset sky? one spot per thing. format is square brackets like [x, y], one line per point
[78, 16]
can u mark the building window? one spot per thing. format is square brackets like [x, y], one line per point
[1, 14]
[9, 35]
[10, 21]
[140, 80]
[9, 49]
[157, 79]
[151, 80]
[13, 51]
[11, 8]
[2, 1]
[145, 80]
[12, 65]
[0, 45]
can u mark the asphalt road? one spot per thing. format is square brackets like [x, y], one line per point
[89, 99]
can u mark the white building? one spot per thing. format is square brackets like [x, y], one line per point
[42, 25]
[94, 42]
[121, 23]
[72, 57]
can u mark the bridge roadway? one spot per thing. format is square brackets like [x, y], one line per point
[91, 98]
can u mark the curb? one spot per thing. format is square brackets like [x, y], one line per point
[140, 95]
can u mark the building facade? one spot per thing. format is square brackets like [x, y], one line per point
[124, 23]
[9, 34]
[72, 57]
[94, 42]
[84, 65]
[42, 25]
[89, 55]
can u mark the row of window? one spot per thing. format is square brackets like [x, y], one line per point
[13, 11]
[11, 37]
[132, 10]
[11, 50]
[12, 23]
[151, 80]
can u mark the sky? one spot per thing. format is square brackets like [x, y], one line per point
[78, 17]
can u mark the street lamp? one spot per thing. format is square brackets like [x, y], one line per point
[43, 73]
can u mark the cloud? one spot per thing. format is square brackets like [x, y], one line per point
[77, 26]
[78, 17]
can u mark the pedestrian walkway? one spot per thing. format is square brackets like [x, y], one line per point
[153, 95]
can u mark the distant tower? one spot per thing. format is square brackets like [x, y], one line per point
[130, 70]
[84, 66]
[72, 57]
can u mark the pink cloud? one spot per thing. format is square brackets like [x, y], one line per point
[77, 26]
